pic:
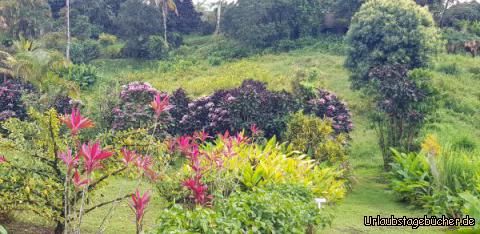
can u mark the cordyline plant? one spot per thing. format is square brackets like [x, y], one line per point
[57, 175]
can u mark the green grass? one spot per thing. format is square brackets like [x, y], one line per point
[455, 122]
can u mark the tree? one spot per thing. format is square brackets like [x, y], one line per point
[188, 19]
[68, 30]
[388, 40]
[264, 23]
[388, 32]
[166, 5]
[30, 18]
[219, 16]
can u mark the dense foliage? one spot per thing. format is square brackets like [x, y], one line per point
[317, 138]
[11, 104]
[84, 75]
[265, 23]
[280, 208]
[387, 32]
[442, 180]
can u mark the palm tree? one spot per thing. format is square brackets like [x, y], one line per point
[219, 16]
[166, 5]
[68, 30]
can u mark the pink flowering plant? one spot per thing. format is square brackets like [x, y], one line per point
[69, 169]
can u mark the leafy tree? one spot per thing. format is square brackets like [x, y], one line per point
[387, 32]
[388, 39]
[469, 11]
[30, 18]
[138, 20]
[264, 23]
[188, 19]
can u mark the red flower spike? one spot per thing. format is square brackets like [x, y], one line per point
[139, 204]
[76, 122]
[2, 159]
[198, 189]
[93, 154]
[77, 182]
[69, 160]
[161, 105]
[128, 156]
[255, 130]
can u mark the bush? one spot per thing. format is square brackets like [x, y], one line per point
[134, 109]
[107, 39]
[388, 32]
[175, 40]
[156, 47]
[136, 48]
[11, 104]
[316, 138]
[84, 75]
[281, 209]
[410, 178]
[113, 51]
[237, 109]
[85, 51]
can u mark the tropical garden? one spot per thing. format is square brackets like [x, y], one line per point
[292, 116]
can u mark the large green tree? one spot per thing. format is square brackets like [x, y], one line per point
[389, 39]
[30, 18]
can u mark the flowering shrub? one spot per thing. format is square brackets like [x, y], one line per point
[11, 104]
[134, 110]
[327, 105]
[239, 108]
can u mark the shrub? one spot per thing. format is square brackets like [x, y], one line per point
[156, 47]
[388, 32]
[107, 39]
[317, 139]
[410, 178]
[136, 48]
[175, 40]
[327, 105]
[11, 104]
[84, 75]
[282, 208]
[85, 51]
[134, 110]
[113, 51]
[238, 109]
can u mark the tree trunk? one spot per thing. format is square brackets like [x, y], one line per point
[442, 14]
[60, 228]
[219, 17]
[68, 31]
[164, 13]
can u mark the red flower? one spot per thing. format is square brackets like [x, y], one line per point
[2, 159]
[161, 105]
[76, 122]
[68, 159]
[77, 182]
[255, 130]
[128, 156]
[184, 144]
[139, 204]
[198, 189]
[144, 162]
[92, 154]
[202, 136]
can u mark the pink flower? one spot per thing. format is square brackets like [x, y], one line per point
[77, 182]
[76, 122]
[198, 189]
[144, 163]
[184, 144]
[161, 105]
[2, 159]
[93, 154]
[254, 129]
[139, 204]
[202, 136]
[69, 160]
[128, 156]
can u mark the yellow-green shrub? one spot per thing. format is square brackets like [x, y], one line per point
[316, 138]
